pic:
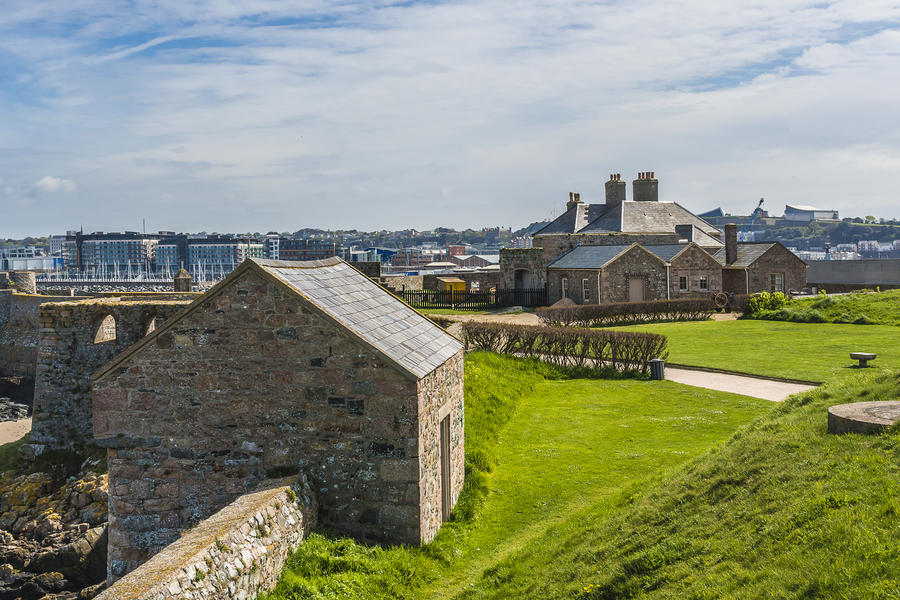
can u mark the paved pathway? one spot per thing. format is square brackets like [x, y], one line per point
[737, 384]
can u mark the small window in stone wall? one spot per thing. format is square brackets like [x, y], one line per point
[776, 282]
[704, 282]
[565, 287]
[682, 283]
[106, 330]
[585, 290]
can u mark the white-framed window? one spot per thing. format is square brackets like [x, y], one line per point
[586, 290]
[704, 282]
[564, 286]
[776, 282]
[682, 283]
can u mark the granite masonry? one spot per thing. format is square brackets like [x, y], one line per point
[75, 339]
[283, 367]
[236, 553]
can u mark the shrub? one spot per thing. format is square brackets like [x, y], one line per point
[627, 313]
[765, 301]
[863, 320]
[442, 322]
[580, 348]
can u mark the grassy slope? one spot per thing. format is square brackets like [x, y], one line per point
[783, 510]
[10, 459]
[810, 351]
[556, 447]
[882, 308]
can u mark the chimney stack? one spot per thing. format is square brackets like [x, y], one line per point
[574, 200]
[615, 190]
[645, 188]
[730, 243]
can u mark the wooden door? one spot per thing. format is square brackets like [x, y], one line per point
[445, 468]
[635, 289]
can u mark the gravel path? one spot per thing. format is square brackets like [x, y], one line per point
[767, 389]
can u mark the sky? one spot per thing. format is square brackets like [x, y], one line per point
[271, 115]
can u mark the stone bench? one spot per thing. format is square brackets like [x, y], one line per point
[863, 358]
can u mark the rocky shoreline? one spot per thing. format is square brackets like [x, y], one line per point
[52, 536]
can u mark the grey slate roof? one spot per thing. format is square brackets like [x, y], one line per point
[574, 219]
[411, 341]
[649, 217]
[587, 257]
[746, 254]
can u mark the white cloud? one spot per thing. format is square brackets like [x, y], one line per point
[459, 114]
[54, 185]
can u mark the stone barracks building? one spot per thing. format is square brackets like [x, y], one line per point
[644, 249]
[283, 367]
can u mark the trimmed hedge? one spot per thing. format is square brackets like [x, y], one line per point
[580, 348]
[627, 313]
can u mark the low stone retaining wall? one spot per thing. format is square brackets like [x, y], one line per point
[236, 553]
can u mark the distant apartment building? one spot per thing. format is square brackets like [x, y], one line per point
[215, 257]
[417, 258]
[308, 249]
[522, 241]
[110, 252]
[21, 252]
[57, 242]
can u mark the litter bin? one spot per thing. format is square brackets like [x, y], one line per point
[657, 369]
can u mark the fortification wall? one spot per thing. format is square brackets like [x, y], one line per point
[75, 339]
[19, 325]
[236, 553]
[854, 273]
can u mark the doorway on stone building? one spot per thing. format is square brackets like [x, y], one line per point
[635, 289]
[445, 468]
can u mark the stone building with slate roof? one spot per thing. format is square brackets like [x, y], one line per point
[631, 229]
[753, 267]
[283, 367]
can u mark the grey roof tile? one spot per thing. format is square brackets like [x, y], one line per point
[746, 253]
[397, 331]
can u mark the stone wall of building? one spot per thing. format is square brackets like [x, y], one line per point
[734, 281]
[636, 263]
[692, 263]
[238, 552]
[76, 338]
[440, 397]
[529, 260]
[254, 382]
[777, 259]
[575, 281]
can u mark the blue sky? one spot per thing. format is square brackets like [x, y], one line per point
[267, 115]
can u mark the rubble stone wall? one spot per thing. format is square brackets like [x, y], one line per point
[19, 327]
[777, 259]
[254, 382]
[531, 260]
[68, 355]
[238, 552]
[637, 263]
[692, 263]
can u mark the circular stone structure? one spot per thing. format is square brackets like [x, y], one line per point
[862, 417]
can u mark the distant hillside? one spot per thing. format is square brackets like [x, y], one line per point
[530, 229]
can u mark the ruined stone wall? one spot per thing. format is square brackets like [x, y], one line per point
[777, 259]
[440, 396]
[692, 263]
[238, 552]
[68, 356]
[403, 282]
[635, 263]
[19, 326]
[254, 382]
[528, 259]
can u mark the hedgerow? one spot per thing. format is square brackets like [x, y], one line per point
[565, 347]
[627, 313]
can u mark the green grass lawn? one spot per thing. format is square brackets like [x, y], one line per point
[879, 308]
[783, 510]
[808, 351]
[540, 448]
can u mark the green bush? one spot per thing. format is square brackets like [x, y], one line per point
[765, 302]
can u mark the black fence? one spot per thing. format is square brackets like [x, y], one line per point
[471, 300]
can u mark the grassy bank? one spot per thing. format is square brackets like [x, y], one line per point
[809, 351]
[539, 448]
[783, 510]
[866, 308]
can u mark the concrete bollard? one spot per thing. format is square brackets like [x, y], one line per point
[657, 369]
[25, 282]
